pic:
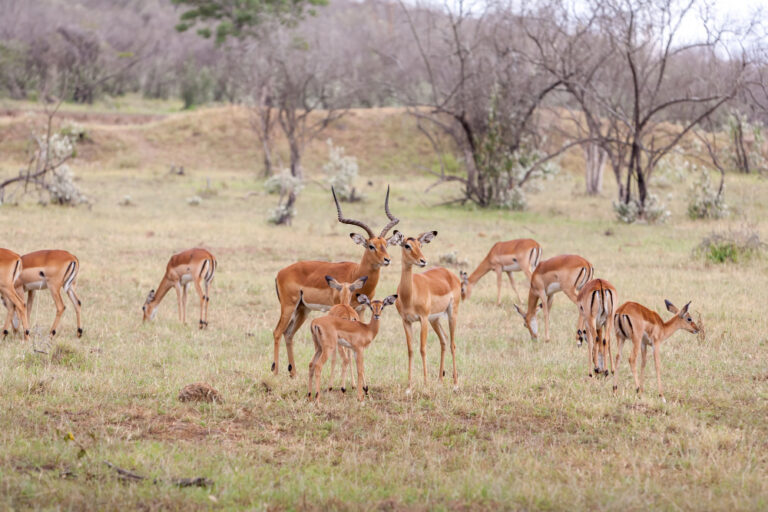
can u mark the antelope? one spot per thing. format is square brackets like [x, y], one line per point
[301, 287]
[55, 270]
[191, 266]
[596, 302]
[427, 297]
[343, 309]
[328, 332]
[566, 273]
[10, 269]
[514, 255]
[645, 327]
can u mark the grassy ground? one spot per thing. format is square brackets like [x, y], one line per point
[526, 430]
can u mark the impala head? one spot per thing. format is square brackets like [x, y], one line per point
[466, 288]
[342, 292]
[529, 320]
[149, 309]
[683, 318]
[375, 246]
[412, 254]
[377, 305]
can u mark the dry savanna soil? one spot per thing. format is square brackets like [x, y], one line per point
[527, 429]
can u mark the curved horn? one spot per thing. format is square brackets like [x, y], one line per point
[350, 221]
[392, 219]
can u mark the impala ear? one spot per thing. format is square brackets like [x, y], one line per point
[427, 237]
[390, 300]
[685, 309]
[464, 277]
[671, 307]
[396, 238]
[333, 283]
[358, 239]
[518, 311]
[359, 283]
[150, 297]
[363, 299]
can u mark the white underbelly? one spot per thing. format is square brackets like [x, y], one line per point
[186, 278]
[553, 287]
[511, 268]
[36, 285]
[601, 318]
[317, 307]
[437, 316]
[344, 343]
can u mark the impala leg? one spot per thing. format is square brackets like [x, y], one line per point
[452, 314]
[199, 288]
[657, 364]
[77, 305]
[498, 285]
[408, 328]
[619, 345]
[423, 347]
[333, 368]
[637, 341]
[441, 336]
[30, 300]
[285, 319]
[184, 290]
[344, 353]
[13, 298]
[313, 361]
[609, 335]
[360, 375]
[55, 289]
[299, 319]
[319, 369]
[546, 302]
[514, 287]
[178, 288]
[207, 290]
[644, 351]
[9, 317]
[592, 342]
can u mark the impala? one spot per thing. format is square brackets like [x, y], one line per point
[191, 266]
[427, 297]
[301, 287]
[597, 301]
[343, 309]
[566, 273]
[56, 271]
[646, 328]
[512, 256]
[10, 269]
[328, 332]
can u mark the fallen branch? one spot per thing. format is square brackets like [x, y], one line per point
[179, 482]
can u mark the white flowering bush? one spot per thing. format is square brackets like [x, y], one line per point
[704, 201]
[62, 187]
[341, 171]
[283, 183]
[655, 212]
[281, 214]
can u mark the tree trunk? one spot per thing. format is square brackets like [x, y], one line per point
[266, 146]
[295, 157]
[595, 158]
[741, 155]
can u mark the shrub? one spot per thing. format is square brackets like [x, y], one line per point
[704, 200]
[342, 172]
[655, 211]
[282, 183]
[62, 188]
[731, 246]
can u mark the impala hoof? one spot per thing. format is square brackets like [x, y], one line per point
[663, 399]
[615, 388]
[637, 390]
[79, 332]
[365, 390]
[408, 391]
[605, 373]
[273, 367]
[53, 332]
[5, 332]
[456, 388]
[343, 390]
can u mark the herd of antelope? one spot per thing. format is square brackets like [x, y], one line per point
[343, 289]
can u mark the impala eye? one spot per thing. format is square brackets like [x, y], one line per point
[371, 247]
[407, 247]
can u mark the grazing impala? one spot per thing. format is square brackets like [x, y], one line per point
[646, 328]
[191, 266]
[566, 273]
[342, 308]
[511, 256]
[328, 332]
[56, 271]
[427, 297]
[10, 269]
[302, 287]
[597, 301]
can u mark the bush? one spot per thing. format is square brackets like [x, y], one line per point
[342, 172]
[62, 188]
[704, 200]
[283, 183]
[731, 246]
[655, 211]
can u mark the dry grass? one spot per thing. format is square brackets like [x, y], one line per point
[526, 430]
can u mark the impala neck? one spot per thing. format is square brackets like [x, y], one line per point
[163, 288]
[405, 290]
[372, 329]
[533, 301]
[669, 328]
[482, 269]
[368, 267]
